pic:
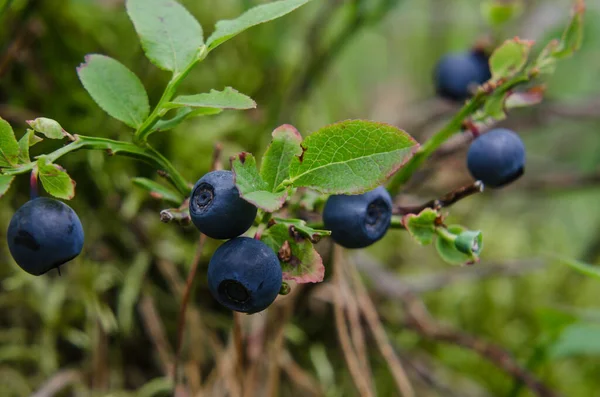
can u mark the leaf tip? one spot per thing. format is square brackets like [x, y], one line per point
[287, 128]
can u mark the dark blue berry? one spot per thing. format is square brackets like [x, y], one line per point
[456, 74]
[217, 209]
[360, 220]
[244, 275]
[43, 234]
[496, 158]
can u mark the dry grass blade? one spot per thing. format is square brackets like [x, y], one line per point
[383, 344]
[342, 329]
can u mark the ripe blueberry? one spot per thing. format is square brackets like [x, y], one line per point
[496, 158]
[244, 275]
[43, 234]
[455, 74]
[217, 209]
[360, 220]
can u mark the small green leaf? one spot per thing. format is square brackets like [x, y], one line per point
[5, 181]
[181, 115]
[498, 12]
[299, 260]
[448, 249]
[509, 58]
[159, 191]
[226, 29]
[9, 148]
[422, 226]
[573, 34]
[285, 145]
[55, 180]
[298, 226]
[495, 106]
[226, 99]
[577, 340]
[116, 89]
[252, 187]
[26, 141]
[584, 268]
[170, 35]
[48, 127]
[351, 157]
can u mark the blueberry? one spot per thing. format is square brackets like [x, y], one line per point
[244, 275]
[496, 158]
[217, 209]
[43, 234]
[360, 220]
[455, 74]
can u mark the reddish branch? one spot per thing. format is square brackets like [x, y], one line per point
[445, 201]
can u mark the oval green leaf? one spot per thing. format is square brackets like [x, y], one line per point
[116, 89]
[226, 29]
[351, 157]
[170, 35]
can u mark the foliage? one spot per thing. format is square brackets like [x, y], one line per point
[347, 157]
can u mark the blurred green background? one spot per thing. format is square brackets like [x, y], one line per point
[316, 66]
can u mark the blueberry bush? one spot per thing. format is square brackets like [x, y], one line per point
[295, 206]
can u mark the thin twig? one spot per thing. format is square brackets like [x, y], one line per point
[184, 302]
[156, 331]
[298, 375]
[445, 201]
[420, 321]
[283, 312]
[387, 351]
[356, 329]
[58, 382]
[342, 329]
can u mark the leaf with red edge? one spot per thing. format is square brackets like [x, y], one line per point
[55, 180]
[252, 187]
[299, 260]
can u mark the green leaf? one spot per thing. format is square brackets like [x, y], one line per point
[229, 98]
[170, 35]
[252, 187]
[181, 115]
[298, 226]
[132, 285]
[159, 191]
[584, 268]
[48, 127]
[299, 260]
[55, 180]
[285, 145]
[422, 226]
[9, 148]
[26, 141]
[499, 12]
[351, 157]
[577, 340]
[226, 29]
[116, 89]
[448, 249]
[5, 181]
[509, 58]
[573, 34]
